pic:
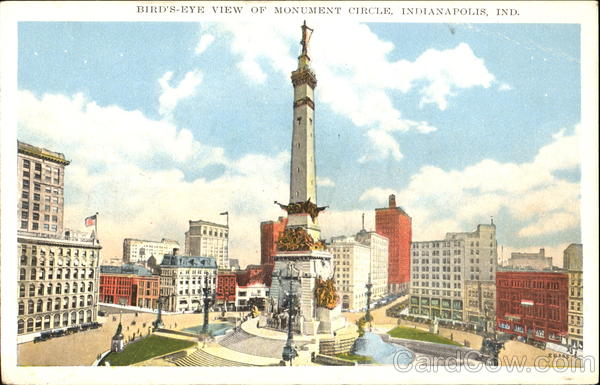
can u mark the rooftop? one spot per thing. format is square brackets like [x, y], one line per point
[126, 269]
[42, 153]
[201, 222]
[189, 261]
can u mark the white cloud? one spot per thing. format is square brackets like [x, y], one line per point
[384, 146]
[356, 73]
[324, 182]
[170, 96]
[505, 87]
[536, 200]
[137, 182]
[204, 42]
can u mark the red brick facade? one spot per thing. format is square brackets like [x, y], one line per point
[269, 234]
[129, 290]
[395, 224]
[532, 304]
[226, 283]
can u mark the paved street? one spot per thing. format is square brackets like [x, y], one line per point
[82, 348]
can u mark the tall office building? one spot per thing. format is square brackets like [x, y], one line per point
[573, 265]
[447, 272]
[207, 239]
[379, 248]
[351, 261]
[269, 234]
[58, 268]
[40, 179]
[395, 224]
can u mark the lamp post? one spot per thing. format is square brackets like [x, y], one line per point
[207, 300]
[289, 353]
[158, 323]
[369, 285]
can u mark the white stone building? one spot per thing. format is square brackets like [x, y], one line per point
[182, 279]
[351, 261]
[379, 246]
[207, 239]
[255, 292]
[140, 251]
[442, 268]
[58, 281]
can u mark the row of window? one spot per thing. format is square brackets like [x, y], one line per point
[36, 216]
[38, 186]
[53, 304]
[36, 226]
[58, 250]
[424, 245]
[31, 325]
[49, 289]
[61, 273]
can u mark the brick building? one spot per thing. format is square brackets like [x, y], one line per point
[396, 225]
[532, 304]
[226, 285]
[129, 285]
[269, 234]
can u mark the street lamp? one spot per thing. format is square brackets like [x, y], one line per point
[290, 301]
[207, 301]
[368, 316]
[158, 323]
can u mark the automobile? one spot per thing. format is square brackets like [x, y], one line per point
[102, 313]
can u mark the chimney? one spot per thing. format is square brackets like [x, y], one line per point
[543, 252]
[392, 202]
[175, 250]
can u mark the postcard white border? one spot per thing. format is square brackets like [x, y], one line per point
[583, 13]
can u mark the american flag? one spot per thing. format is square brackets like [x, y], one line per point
[90, 221]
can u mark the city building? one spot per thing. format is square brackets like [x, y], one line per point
[573, 265]
[378, 247]
[141, 251]
[129, 285]
[252, 286]
[535, 261]
[269, 234]
[480, 304]
[58, 281]
[395, 224]
[40, 180]
[182, 280]
[351, 261]
[442, 269]
[226, 288]
[208, 239]
[532, 304]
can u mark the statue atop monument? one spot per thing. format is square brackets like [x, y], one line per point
[306, 34]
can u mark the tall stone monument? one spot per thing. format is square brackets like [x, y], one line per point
[299, 247]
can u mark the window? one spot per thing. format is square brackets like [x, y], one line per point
[26, 163]
[36, 216]
[36, 197]
[25, 194]
[36, 207]
[46, 227]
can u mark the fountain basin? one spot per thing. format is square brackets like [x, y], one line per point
[371, 344]
[214, 329]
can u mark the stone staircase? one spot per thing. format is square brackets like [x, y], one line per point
[202, 358]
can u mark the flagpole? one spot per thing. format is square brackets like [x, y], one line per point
[96, 227]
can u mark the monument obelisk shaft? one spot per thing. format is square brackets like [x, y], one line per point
[303, 174]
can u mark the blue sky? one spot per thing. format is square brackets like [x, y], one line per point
[166, 122]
